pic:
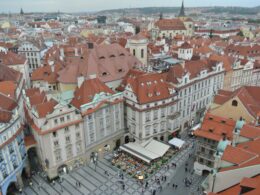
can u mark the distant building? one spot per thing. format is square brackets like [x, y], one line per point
[33, 51]
[101, 19]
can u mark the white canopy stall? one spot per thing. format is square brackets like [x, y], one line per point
[147, 151]
[176, 142]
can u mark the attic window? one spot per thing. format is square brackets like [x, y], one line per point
[223, 121]
[112, 56]
[1, 61]
[211, 130]
[120, 70]
[234, 103]
[81, 57]
[122, 54]
[104, 74]
[102, 57]
[224, 134]
[210, 118]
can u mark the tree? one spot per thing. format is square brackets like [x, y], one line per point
[241, 34]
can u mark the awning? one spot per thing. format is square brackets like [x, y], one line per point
[176, 142]
[147, 151]
[196, 127]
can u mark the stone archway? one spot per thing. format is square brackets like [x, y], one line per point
[205, 172]
[33, 159]
[12, 189]
[162, 138]
[127, 139]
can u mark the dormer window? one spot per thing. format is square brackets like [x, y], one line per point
[150, 94]
[211, 130]
[122, 54]
[224, 122]
[104, 74]
[112, 56]
[234, 103]
[120, 70]
[210, 118]
[102, 57]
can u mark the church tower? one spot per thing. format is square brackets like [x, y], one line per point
[182, 13]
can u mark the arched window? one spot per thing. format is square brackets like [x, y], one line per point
[134, 52]
[142, 53]
[234, 103]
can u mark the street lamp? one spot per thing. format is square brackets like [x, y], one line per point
[94, 158]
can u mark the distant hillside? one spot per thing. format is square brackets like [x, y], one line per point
[234, 10]
[154, 10]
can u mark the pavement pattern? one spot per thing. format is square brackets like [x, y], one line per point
[94, 181]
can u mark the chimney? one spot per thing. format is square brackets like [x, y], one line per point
[92, 76]
[76, 52]
[52, 68]
[183, 64]
[62, 52]
[80, 80]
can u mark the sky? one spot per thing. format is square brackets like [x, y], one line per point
[95, 5]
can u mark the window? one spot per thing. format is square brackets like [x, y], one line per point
[234, 103]
[1, 156]
[68, 117]
[62, 119]
[69, 151]
[78, 134]
[77, 126]
[54, 134]
[147, 116]
[56, 143]
[58, 155]
[11, 149]
[66, 129]
[134, 52]
[142, 53]
[155, 114]
[55, 121]
[67, 139]
[4, 171]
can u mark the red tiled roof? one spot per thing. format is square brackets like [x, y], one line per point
[10, 58]
[88, 90]
[237, 155]
[170, 24]
[215, 128]
[9, 74]
[150, 87]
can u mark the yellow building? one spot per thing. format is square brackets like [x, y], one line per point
[244, 102]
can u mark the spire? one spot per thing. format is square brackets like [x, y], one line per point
[182, 13]
[21, 11]
[161, 15]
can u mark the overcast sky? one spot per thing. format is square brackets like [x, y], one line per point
[94, 5]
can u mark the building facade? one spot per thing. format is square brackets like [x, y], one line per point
[13, 157]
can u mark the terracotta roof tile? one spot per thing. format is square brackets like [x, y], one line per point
[215, 127]
[237, 155]
[88, 90]
[170, 24]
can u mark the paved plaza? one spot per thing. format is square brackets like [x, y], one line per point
[93, 180]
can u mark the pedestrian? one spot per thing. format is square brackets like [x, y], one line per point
[186, 169]
[123, 186]
[146, 184]
[176, 186]
[173, 185]
[79, 184]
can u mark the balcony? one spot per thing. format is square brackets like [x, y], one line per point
[206, 156]
[174, 116]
